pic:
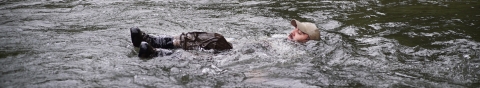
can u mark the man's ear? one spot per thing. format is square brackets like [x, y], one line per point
[294, 23]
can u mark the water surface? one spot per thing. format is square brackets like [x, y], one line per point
[367, 43]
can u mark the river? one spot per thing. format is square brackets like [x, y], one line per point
[364, 43]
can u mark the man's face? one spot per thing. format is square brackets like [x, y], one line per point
[298, 36]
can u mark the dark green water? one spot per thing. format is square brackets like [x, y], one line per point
[365, 43]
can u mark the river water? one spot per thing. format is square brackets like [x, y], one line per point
[364, 43]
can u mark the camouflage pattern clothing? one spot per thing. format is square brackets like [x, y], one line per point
[153, 46]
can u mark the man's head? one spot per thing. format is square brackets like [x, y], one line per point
[304, 31]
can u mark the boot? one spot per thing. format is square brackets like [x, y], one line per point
[137, 36]
[146, 51]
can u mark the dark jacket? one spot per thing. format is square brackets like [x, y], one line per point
[196, 40]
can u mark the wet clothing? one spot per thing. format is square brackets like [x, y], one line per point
[147, 50]
[163, 41]
[190, 41]
[148, 44]
[196, 40]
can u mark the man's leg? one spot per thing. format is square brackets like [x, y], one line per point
[138, 36]
[147, 51]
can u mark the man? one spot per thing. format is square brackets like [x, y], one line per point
[153, 46]
[303, 31]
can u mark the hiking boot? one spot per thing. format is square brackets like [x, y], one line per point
[146, 50]
[137, 36]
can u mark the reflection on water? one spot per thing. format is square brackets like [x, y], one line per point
[368, 43]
